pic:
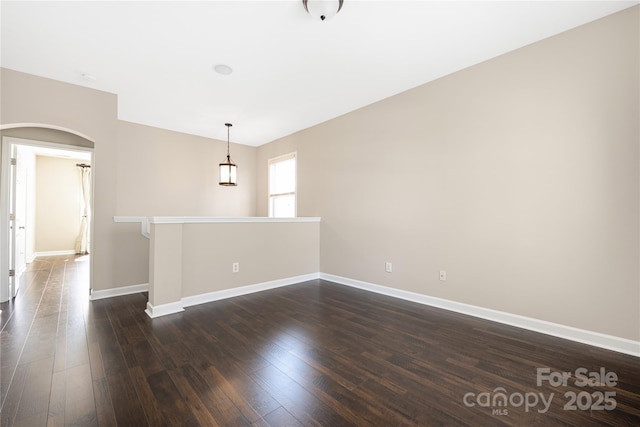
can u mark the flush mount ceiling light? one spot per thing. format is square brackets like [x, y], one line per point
[223, 69]
[228, 175]
[322, 9]
[88, 77]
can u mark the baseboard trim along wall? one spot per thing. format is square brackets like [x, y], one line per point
[244, 290]
[116, 292]
[609, 342]
[178, 306]
[164, 309]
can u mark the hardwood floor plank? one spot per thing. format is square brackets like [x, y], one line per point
[322, 386]
[280, 417]
[37, 389]
[302, 404]
[112, 354]
[80, 408]
[57, 399]
[220, 368]
[217, 402]
[251, 403]
[127, 406]
[60, 351]
[15, 388]
[149, 403]
[193, 400]
[77, 349]
[105, 414]
[37, 419]
[95, 361]
[171, 403]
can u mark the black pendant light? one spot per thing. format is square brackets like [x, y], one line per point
[228, 175]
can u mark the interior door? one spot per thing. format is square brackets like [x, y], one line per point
[21, 219]
[17, 220]
[13, 289]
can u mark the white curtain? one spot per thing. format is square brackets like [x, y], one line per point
[82, 242]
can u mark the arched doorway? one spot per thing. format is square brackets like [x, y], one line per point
[41, 139]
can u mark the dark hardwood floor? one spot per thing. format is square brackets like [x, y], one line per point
[315, 353]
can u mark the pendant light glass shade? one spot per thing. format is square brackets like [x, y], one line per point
[228, 170]
[228, 173]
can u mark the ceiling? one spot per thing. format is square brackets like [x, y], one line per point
[290, 72]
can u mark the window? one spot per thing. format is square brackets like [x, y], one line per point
[282, 186]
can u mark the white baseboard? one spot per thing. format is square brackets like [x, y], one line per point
[54, 253]
[116, 292]
[609, 342]
[163, 309]
[244, 290]
[178, 306]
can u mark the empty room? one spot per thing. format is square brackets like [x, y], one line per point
[320, 213]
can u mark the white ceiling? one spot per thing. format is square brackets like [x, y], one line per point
[290, 71]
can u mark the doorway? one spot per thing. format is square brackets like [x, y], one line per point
[46, 203]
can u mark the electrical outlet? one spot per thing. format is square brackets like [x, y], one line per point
[443, 275]
[235, 267]
[388, 267]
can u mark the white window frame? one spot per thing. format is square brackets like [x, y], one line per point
[294, 193]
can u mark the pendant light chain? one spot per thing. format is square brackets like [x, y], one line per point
[228, 125]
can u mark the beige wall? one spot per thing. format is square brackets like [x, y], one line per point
[27, 99]
[518, 176]
[194, 260]
[165, 173]
[165, 264]
[57, 204]
[138, 170]
[265, 251]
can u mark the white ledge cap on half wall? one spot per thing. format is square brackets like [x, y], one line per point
[213, 219]
[145, 222]
[209, 219]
